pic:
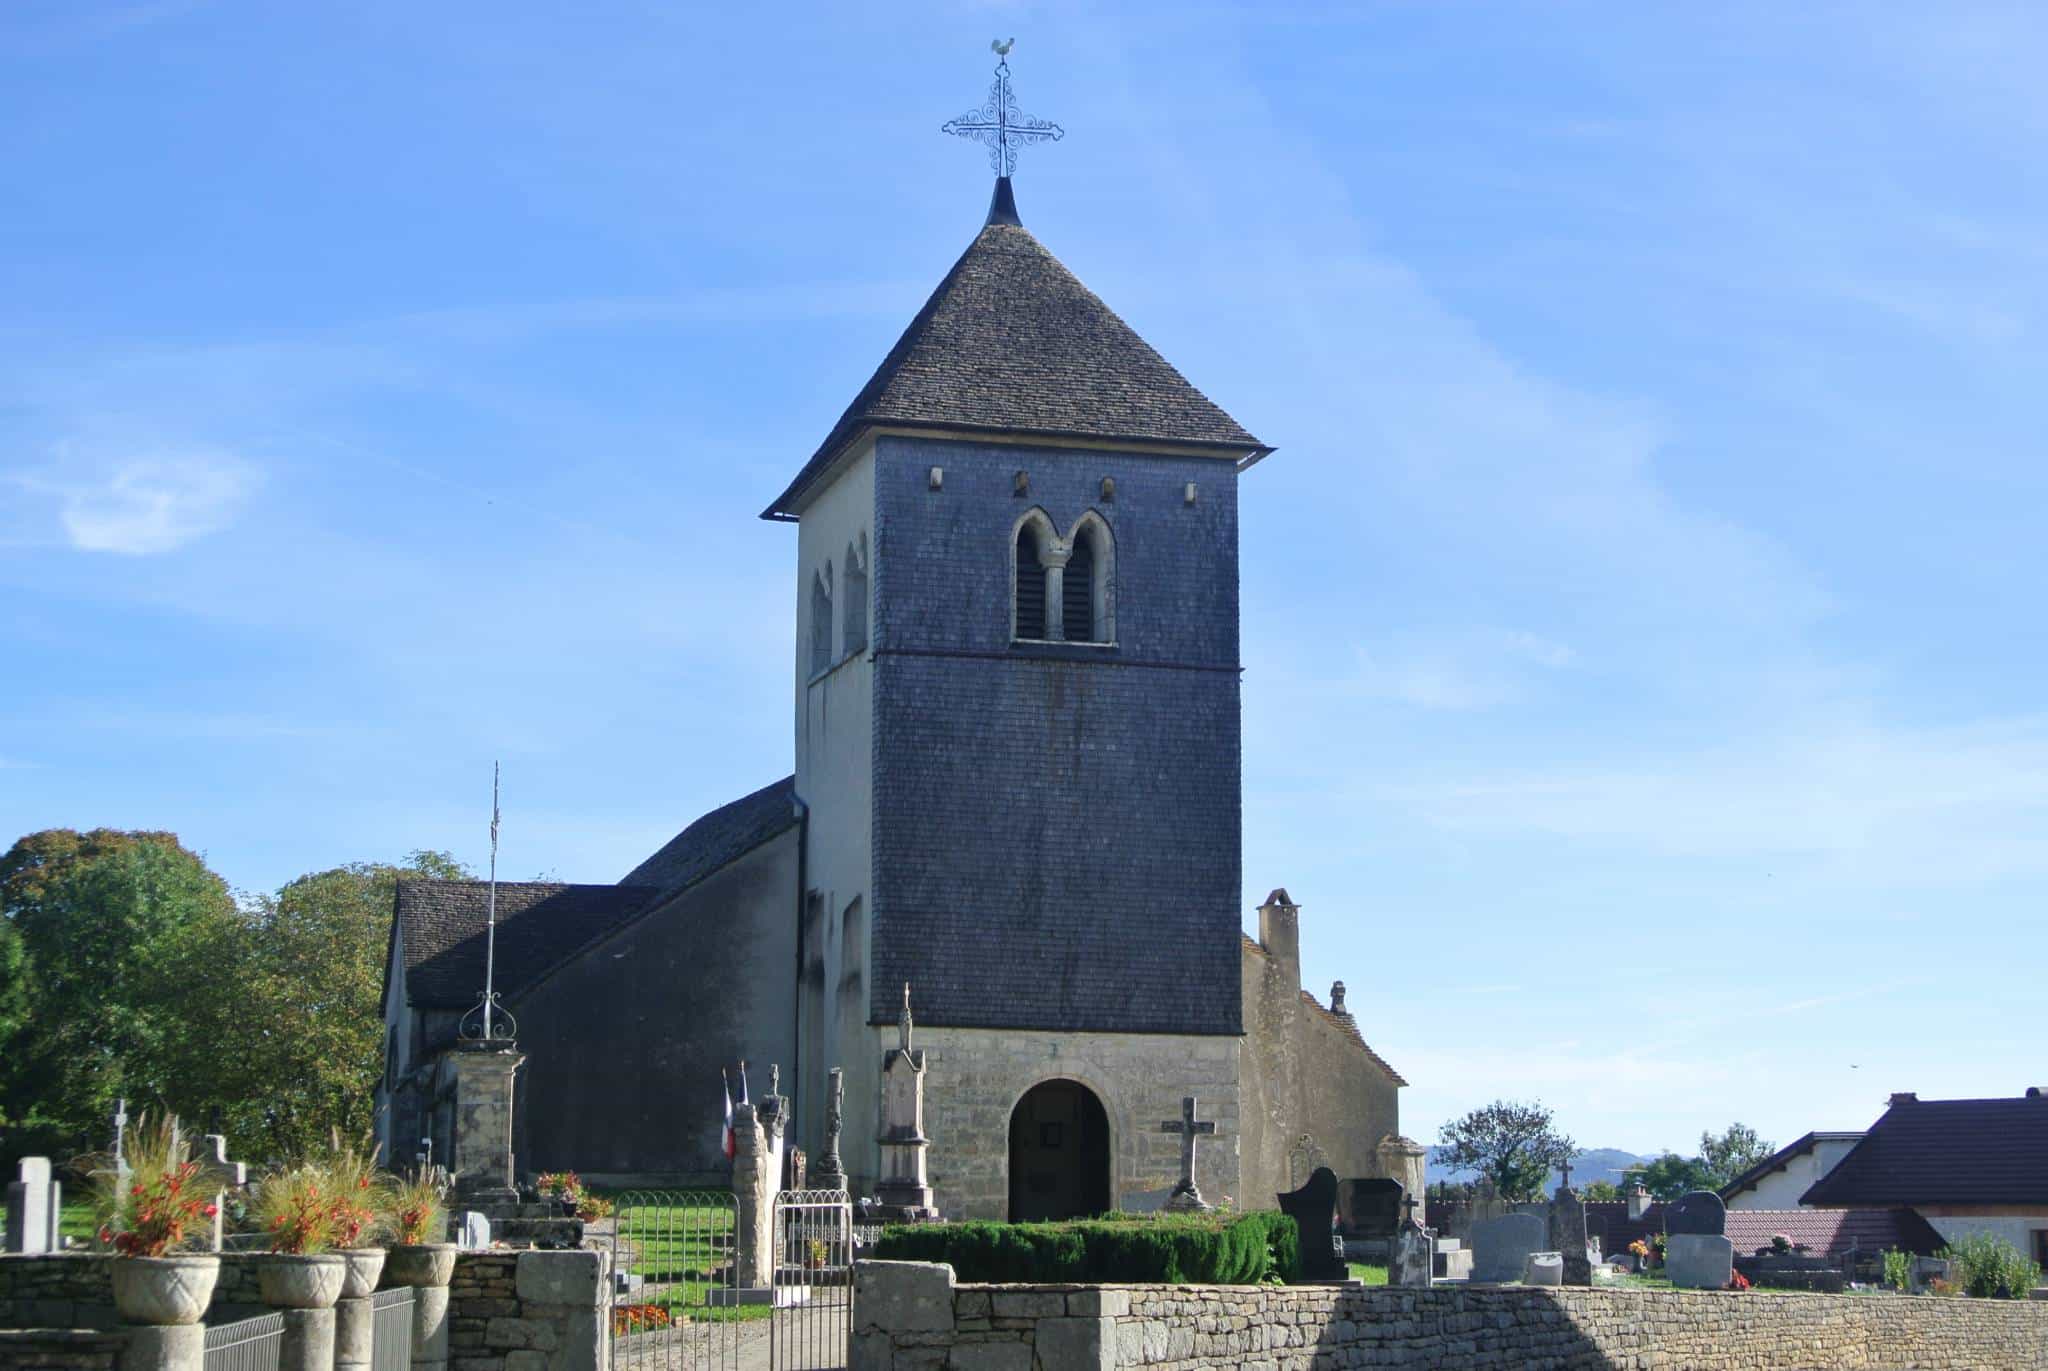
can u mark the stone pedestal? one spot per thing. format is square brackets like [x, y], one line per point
[482, 1150]
[308, 1343]
[352, 1325]
[904, 1192]
[177, 1347]
[430, 1328]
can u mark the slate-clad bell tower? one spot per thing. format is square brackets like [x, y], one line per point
[1018, 741]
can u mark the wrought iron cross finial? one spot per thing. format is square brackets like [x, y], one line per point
[999, 125]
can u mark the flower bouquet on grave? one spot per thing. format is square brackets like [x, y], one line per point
[151, 1205]
[565, 1186]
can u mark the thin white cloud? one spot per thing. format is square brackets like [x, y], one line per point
[142, 506]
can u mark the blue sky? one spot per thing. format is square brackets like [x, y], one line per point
[1645, 660]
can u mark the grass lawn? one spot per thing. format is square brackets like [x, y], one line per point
[676, 1248]
[1371, 1275]
[75, 1219]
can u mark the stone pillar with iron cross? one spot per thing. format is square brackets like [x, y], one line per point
[1187, 1196]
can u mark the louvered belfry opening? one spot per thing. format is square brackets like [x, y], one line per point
[1030, 585]
[1077, 594]
[821, 624]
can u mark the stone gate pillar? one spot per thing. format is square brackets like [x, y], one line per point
[753, 1190]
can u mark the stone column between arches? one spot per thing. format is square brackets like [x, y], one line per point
[976, 1076]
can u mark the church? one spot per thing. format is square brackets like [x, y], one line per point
[1018, 791]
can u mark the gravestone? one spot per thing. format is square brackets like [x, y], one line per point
[1501, 1246]
[1452, 1260]
[1314, 1208]
[1543, 1268]
[1413, 1262]
[33, 1203]
[1369, 1208]
[476, 1232]
[1697, 1211]
[1568, 1235]
[1699, 1261]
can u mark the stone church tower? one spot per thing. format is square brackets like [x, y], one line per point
[1018, 741]
[1018, 791]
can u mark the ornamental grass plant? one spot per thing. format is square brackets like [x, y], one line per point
[359, 1209]
[415, 1210]
[295, 1208]
[156, 1204]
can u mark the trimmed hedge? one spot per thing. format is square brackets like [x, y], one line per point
[1170, 1249]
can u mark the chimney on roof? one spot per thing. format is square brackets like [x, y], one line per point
[2035, 1092]
[1900, 1097]
[1280, 935]
[1638, 1200]
[1337, 999]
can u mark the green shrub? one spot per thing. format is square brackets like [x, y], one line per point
[1988, 1267]
[1898, 1269]
[1170, 1249]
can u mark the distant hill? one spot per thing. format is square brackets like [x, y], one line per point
[1594, 1164]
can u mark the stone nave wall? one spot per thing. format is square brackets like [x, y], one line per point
[912, 1315]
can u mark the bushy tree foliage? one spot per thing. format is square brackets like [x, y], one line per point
[1601, 1190]
[1514, 1145]
[1722, 1157]
[127, 969]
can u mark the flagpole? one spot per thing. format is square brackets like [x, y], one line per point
[491, 910]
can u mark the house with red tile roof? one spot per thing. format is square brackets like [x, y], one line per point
[1965, 1166]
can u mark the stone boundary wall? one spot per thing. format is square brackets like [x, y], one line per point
[530, 1311]
[59, 1349]
[76, 1290]
[913, 1315]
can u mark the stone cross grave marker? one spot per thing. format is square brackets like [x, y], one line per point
[1568, 1235]
[1186, 1194]
[1314, 1210]
[33, 1203]
[223, 1175]
[1413, 1256]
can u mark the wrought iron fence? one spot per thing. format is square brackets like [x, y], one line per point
[676, 1302]
[813, 1296]
[247, 1345]
[391, 1329]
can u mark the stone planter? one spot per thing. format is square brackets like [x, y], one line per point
[164, 1291]
[427, 1264]
[365, 1264]
[295, 1282]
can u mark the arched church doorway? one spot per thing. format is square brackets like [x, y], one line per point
[1059, 1153]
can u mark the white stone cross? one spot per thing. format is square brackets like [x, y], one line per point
[1186, 1194]
[222, 1174]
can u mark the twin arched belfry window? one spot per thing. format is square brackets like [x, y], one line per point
[1064, 589]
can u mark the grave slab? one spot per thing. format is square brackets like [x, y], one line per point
[1699, 1261]
[1501, 1246]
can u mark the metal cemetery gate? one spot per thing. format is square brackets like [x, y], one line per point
[391, 1329]
[247, 1345]
[675, 1302]
[812, 1327]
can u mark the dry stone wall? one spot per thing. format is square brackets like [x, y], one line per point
[59, 1349]
[912, 1315]
[529, 1311]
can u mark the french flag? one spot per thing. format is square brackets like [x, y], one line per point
[725, 1087]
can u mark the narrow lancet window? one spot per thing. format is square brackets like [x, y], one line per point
[1077, 594]
[1030, 585]
[821, 619]
[856, 595]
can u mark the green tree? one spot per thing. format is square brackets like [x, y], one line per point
[311, 980]
[1512, 1144]
[1736, 1150]
[1669, 1176]
[1601, 1190]
[97, 976]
